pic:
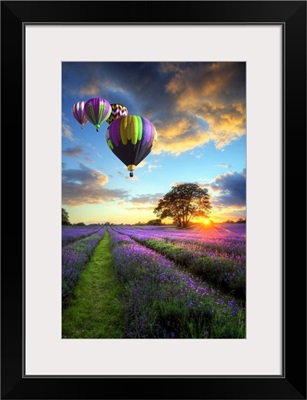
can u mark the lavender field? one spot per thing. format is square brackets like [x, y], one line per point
[170, 283]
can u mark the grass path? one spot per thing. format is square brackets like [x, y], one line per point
[95, 311]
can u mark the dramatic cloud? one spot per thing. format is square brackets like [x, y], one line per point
[226, 123]
[211, 99]
[179, 136]
[224, 80]
[229, 189]
[86, 186]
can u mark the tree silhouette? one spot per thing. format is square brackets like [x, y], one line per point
[183, 202]
[155, 222]
[65, 217]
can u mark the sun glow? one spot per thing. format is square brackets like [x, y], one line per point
[207, 221]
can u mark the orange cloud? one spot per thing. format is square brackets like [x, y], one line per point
[179, 137]
[214, 94]
[226, 124]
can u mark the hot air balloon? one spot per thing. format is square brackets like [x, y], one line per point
[131, 139]
[97, 110]
[78, 113]
[118, 110]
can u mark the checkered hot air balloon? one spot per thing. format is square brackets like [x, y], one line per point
[97, 110]
[78, 112]
[117, 111]
[131, 139]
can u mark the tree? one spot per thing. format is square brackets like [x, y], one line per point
[155, 222]
[183, 202]
[65, 217]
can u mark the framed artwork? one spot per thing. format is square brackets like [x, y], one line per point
[170, 141]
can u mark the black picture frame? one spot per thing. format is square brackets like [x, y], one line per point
[292, 16]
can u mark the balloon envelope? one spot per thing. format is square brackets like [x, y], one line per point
[117, 111]
[78, 113]
[131, 139]
[97, 110]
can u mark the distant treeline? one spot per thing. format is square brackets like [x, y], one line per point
[239, 221]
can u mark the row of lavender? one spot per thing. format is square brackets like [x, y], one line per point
[211, 241]
[72, 233]
[221, 262]
[75, 255]
[163, 302]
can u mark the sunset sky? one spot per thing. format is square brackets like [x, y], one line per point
[199, 111]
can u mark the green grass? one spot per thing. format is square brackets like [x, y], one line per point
[95, 310]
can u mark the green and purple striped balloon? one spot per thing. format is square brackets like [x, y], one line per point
[131, 138]
[97, 110]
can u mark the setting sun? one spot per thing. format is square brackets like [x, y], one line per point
[207, 221]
